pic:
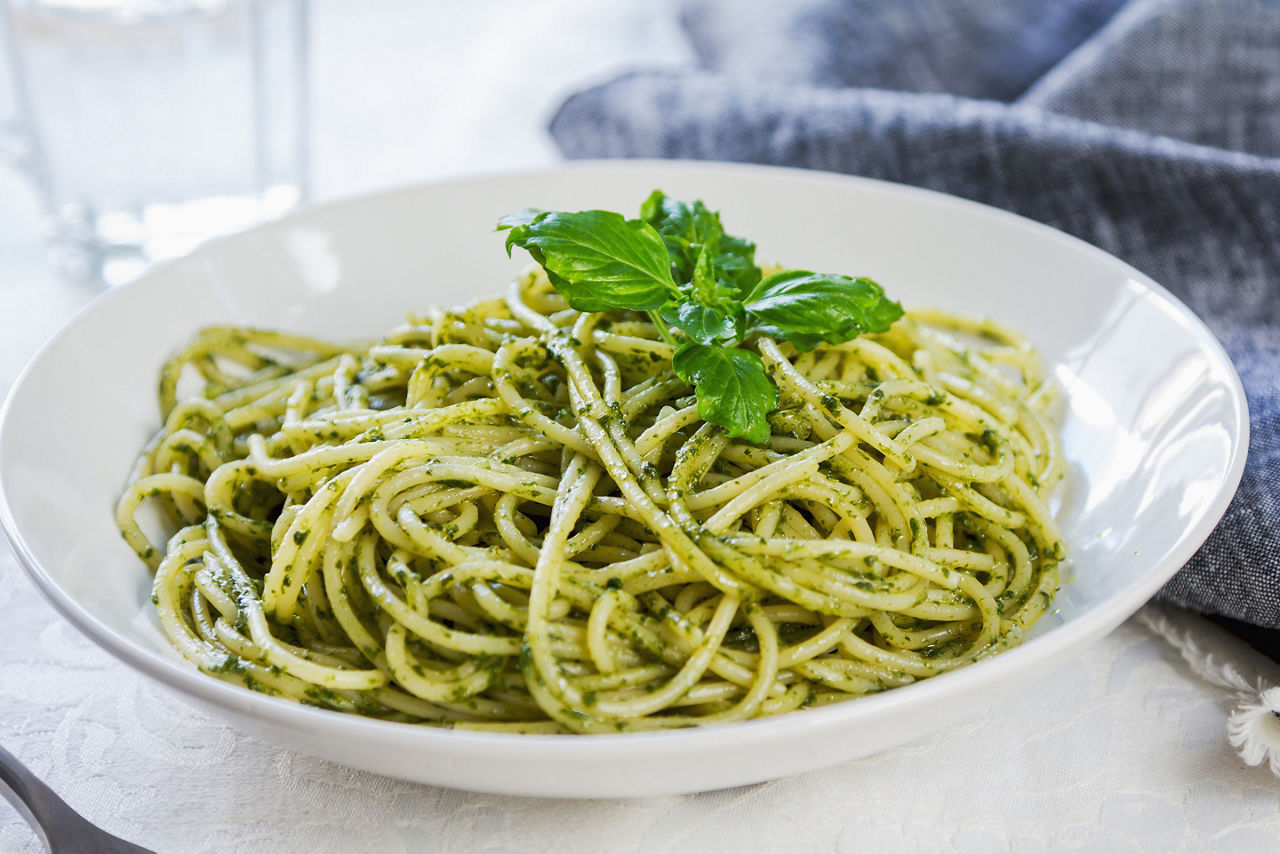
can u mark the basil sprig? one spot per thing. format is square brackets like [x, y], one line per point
[703, 290]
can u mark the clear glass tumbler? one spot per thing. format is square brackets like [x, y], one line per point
[148, 126]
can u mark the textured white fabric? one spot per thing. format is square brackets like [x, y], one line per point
[1122, 750]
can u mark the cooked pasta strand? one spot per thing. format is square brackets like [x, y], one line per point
[509, 516]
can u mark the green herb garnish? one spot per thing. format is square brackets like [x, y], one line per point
[703, 291]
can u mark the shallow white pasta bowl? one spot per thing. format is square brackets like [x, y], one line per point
[1155, 432]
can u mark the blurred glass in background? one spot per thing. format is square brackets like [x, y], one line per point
[148, 126]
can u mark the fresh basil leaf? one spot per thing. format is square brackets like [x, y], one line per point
[706, 324]
[686, 227]
[524, 216]
[704, 272]
[706, 314]
[810, 308]
[597, 260]
[732, 387]
[737, 263]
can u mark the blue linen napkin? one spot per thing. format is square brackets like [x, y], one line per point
[1150, 128]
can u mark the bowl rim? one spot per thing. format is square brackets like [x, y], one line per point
[185, 678]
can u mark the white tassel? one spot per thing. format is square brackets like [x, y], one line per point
[1253, 727]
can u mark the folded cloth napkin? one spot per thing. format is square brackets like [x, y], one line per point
[1150, 128]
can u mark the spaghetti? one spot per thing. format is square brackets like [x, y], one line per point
[510, 516]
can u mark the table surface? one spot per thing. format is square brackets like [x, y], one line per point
[1123, 749]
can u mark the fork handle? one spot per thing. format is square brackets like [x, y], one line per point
[33, 800]
[61, 828]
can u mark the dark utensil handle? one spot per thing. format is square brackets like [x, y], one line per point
[61, 828]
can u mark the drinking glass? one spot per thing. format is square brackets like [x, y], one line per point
[147, 126]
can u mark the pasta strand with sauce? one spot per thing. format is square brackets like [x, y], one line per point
[510, 516]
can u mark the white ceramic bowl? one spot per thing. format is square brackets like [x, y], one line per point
[1155, 432]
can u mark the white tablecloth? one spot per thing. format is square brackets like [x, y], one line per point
[1123, 749]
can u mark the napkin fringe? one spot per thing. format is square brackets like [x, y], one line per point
[1253, 726]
